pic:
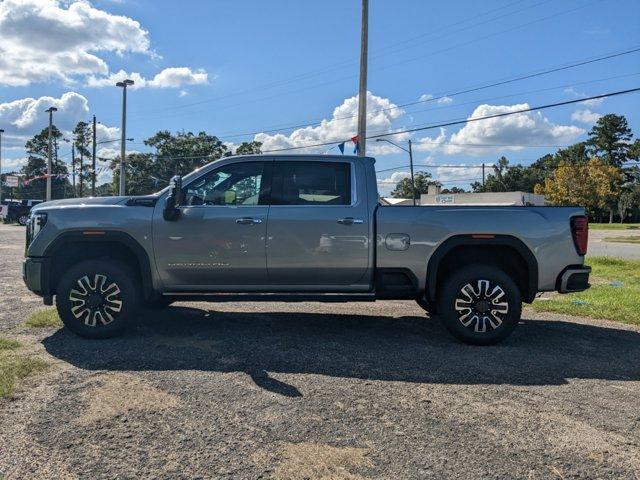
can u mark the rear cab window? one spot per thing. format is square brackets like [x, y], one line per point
[311, 183]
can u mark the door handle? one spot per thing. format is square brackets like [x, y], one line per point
[248, 221]
[350, 221]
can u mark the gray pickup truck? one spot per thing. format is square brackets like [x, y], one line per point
[298, 228]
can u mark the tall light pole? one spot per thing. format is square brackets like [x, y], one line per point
[1, 132]
[362, 92]
[123, 131]
[410, 152]
[50, 110]
[93, 160]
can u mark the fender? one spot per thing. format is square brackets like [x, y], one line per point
[478, 241]
[112, 236]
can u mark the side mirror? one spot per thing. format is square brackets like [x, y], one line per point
[171, 211]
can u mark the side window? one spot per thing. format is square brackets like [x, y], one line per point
[236, 184]
[311, 183]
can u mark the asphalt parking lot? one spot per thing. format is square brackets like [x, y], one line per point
[292, 391]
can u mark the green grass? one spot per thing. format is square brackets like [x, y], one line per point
[8, 344]
[15, 366]
[614, 226]
[44, 319]
[603, 300]
[631, 239]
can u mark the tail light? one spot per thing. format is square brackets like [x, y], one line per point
[580, 233]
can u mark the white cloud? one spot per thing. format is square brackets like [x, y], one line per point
[386, 185]
[457, 174]
[595, 102]
[529, 128]
[42, 40]
[13, 164]
[585, 116]
[24, 117]
[173, 77]
[394, 178]
[342, 125]
[444, 100]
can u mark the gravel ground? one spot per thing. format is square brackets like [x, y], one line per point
[292, 391]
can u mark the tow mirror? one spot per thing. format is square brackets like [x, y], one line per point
[171, 211]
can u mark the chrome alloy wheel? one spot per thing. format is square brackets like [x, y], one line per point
[482, 307]
[95, 301]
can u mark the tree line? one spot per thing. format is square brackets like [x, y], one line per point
[171, 154]
[600, 174]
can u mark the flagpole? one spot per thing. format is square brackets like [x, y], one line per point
[362, 93]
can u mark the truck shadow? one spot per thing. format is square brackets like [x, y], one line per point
[409, 349]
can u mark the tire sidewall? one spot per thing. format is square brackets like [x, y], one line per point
[115, 272]
[471, 274]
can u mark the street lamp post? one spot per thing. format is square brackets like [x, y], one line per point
[50, 111]
[123, 130]
[410, 152]
[1, 132]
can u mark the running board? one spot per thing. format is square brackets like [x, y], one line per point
[272, 297]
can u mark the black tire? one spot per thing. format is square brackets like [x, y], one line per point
[424, 304]
[465, 304]
[22, 220]
[93, 307]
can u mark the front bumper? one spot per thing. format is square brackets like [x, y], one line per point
[574, 279]
[35, 273]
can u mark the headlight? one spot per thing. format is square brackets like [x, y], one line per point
[35, 223]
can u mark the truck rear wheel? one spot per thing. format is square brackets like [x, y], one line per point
[479, 304]
[97, 298]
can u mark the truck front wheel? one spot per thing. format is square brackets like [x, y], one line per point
[97, 298]
[479, 304]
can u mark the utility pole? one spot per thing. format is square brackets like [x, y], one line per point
[50, 110]
[1, 132]
[123, 131]
[483, 174]
[73, 166]
[80, 169]
[93, 160]
[362, 92]
[413, 182]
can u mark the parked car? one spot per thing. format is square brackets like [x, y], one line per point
[298, 228]
[12, 211]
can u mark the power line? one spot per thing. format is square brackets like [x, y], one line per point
[459, 122]
[338, 65]
[450, 94]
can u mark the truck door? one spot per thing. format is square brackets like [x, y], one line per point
[219, 239]
[318, 228]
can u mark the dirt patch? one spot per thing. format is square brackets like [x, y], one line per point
[117, 394]
[322, 462]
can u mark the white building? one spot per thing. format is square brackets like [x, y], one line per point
[434, 197]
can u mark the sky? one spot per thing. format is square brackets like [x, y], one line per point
[286, 73]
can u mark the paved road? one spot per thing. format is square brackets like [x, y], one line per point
[597, 245]
[319, 391]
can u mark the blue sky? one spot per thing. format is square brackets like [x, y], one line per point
[232, 67]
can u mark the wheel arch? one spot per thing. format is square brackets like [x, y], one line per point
[504, 251]
[70, 248]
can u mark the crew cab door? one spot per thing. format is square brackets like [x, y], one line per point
[218, 241]
[318, 227]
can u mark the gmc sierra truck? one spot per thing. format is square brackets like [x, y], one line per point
[298, 228]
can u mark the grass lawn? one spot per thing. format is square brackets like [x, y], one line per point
[44, 319]
[630, 239]
[614, 226]
[614, 293]
[15, 366]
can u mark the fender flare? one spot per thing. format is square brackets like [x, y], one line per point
[470, 240]
[112, 236]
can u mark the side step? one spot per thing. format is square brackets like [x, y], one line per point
[271, 297]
